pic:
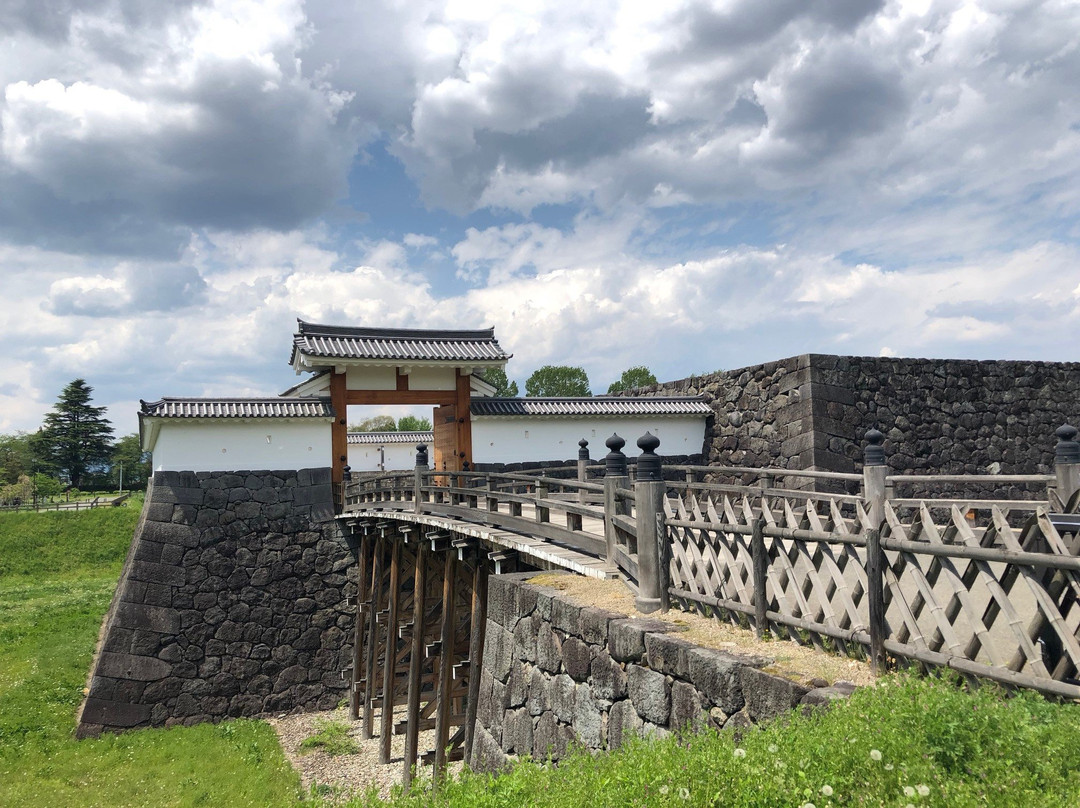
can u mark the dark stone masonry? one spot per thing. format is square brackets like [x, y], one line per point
[232, 602]
[939, 416]
[556, 673]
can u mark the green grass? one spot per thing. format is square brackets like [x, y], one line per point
[913, 741]
[332, 737]
[57, 574]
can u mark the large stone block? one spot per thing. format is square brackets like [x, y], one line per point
[767, 695]
[668, 654]
[498, 650]
[716, 675]
[566, 616]
[588, 718]
[548, 649]
[650, 693]
[487, 756]
[129, 666]
[517, 736]
[114, 714]
[576, 658]
[155, 573]
[686, 707]
[623, 723]
[538, 699]
[563, 694]
[607, 677]
[626, 638]
[161, 619]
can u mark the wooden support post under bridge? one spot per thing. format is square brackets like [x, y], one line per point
[419, 640]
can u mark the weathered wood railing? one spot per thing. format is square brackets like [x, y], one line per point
[987, 587]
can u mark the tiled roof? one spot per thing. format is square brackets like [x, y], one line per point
[593, 406]
[238, 408]
[395, 344]
[379, 438]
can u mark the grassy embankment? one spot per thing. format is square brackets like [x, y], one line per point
[57, 574]
[910, 742]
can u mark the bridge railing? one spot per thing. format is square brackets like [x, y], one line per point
[987, 586]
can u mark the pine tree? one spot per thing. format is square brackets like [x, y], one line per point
[76, 435]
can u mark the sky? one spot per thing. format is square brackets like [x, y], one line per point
[691, 186]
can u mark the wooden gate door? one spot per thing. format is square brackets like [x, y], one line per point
[447, 457]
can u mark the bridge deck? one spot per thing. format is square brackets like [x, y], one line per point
[539, 552]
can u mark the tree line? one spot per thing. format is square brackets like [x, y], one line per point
[73, 449]
[564, 381]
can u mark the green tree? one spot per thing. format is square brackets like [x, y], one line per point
[136, 463]
[16, 457]
[376, 423]
[558, 380]
[496, 377]
[637, 376]
[410, 423]
[76, 435]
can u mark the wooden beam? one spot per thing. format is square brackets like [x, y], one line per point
[462, 403]
[476, 645]
[402, 380]
[390, 659]
[358, 634]
[412, 716]
[339, 441]
[446, 665]
[434, 397]
[371, 685]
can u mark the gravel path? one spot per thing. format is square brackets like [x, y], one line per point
[342, 776]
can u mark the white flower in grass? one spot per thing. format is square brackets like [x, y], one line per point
[665, 789]
[826, 791]
[875, 754]
[909, 805]
[909, 791]
[684, 793]
[808, 805]
[739, 753]
[773, 748]
[888, 767]
[924, 791]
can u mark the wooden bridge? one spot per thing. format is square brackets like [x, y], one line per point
[987, 587]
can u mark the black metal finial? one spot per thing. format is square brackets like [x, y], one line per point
[615, 461]
[464, 465]
[1067, 449]
[346, 473]
[874, 452]
[583, 451]
[421, 455]
[648, 463]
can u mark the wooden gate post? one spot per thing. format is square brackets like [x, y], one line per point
[476, 644]
[874, 473]
[760, 561]
[418, 476]
[875, 593]
[416, 652]
[615, 477]
[389, 677]
[582, 467]
[649, 498]
[1067, 464]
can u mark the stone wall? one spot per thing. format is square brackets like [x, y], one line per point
[555, 673]
[939, 416]
[231, 603]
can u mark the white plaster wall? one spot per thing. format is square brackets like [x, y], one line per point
[433, 378]
[396, 457]
[227, 445]
[366, 378]
[513, 440]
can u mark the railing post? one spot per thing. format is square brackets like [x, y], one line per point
[760, 561]
[418, 475]
[874, 473]
[1067, 464]
[875, 592]
[346, 478]
[543, 514]
[649, 497]
[582, 466]
[614, 478]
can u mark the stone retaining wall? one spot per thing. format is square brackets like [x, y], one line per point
[939, 416]
[231, 603]
[556, 673]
